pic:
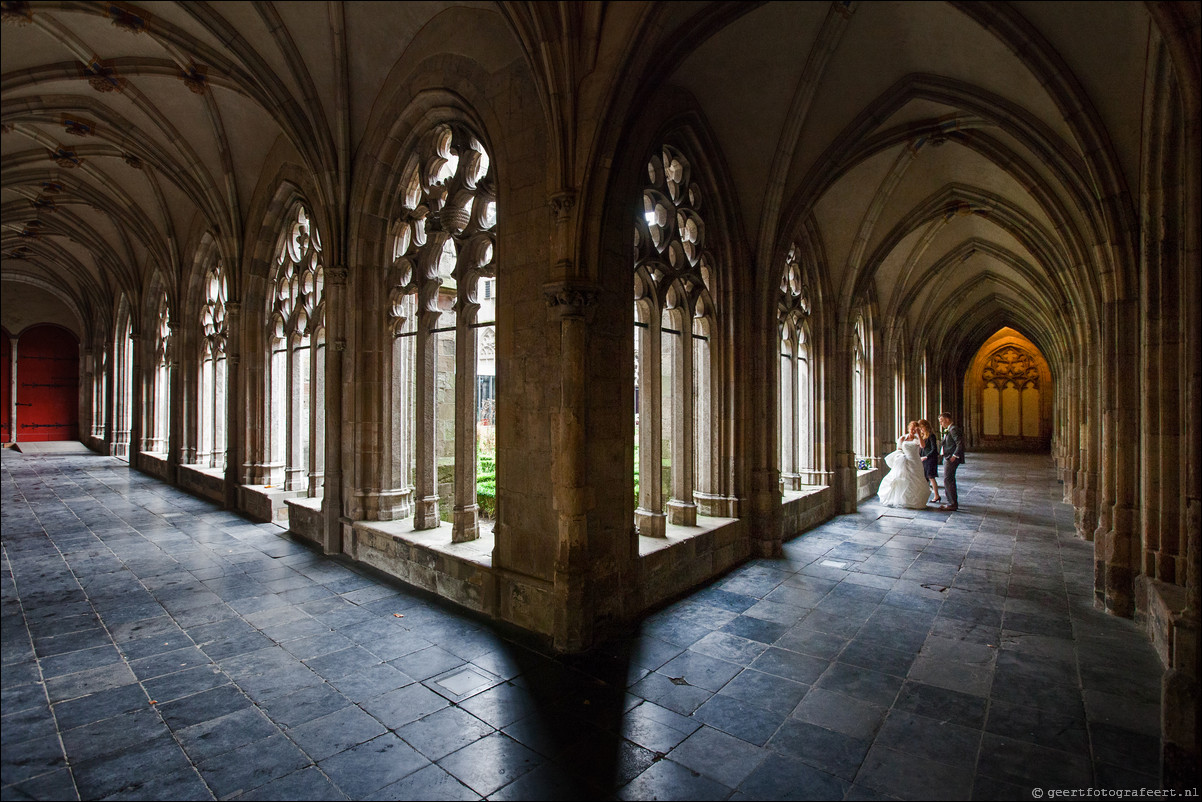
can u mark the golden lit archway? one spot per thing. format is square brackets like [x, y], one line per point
[1008, 390]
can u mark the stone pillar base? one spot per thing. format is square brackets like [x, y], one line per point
[466, 524]
[650, 524]
[682, 513]
[426, 514]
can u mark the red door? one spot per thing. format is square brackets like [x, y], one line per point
[47, 384]
[6, 387]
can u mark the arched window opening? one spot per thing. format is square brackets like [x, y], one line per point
[674, 324]
[213, 376]
[443, 296]
[296, 429]
[799, 462]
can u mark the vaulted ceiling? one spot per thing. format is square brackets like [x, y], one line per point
[962, 166]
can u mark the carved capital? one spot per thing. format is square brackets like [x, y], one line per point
[571, 298]
[562, 203]
[232, 308]
[339, 344]
[337, 276]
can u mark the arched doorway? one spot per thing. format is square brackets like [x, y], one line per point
[47, 385]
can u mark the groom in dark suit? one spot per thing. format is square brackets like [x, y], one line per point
[952, 455]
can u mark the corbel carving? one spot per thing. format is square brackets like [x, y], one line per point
[571, 299]
[562, 203]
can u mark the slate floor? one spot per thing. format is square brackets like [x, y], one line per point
[156, 647]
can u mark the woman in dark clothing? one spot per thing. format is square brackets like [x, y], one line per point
[930, 456]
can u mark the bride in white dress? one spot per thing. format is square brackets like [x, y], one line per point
[906, 484]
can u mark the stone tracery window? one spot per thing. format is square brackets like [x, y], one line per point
[442, 315]
[1010, 398]
[212, 417]
[798, 457]
[674, 324]
[296, 338]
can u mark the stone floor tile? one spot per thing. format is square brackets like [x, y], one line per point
[741, 719]
[303, 785]
[787, 778]
[490, 763]
[130, 768]
[500, 705]
[840, 713]
[700, 670]
[790, 665]
[252, 766]
[908, 776]
[1021, 763]
[755, 629]
[397, 708]
[719, 756]
[443, 732]
[224, 734]
[931, 738]
[866, 685]
[368, 767]
[830, 751]
[101, 705]
[667, 780]
[336, 732]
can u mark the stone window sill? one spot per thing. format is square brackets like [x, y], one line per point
[674, 534]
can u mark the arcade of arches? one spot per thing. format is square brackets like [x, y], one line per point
[559, 310]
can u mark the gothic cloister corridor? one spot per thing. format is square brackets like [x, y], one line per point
[158, 647]
[426, 352]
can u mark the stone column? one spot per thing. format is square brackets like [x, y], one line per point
[110, 390]
[235, 434]
[137, 392]
[175, 400]
[1114, 539]
[650, 519]
[466, 514]
[332, 492]
[682, 511]
[13, 385]
[425, 481]
[572, 303]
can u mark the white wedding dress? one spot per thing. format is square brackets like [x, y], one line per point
[906, 484]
